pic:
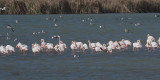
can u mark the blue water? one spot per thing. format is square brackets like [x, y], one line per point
[126, 65]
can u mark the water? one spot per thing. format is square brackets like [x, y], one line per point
[127, 65]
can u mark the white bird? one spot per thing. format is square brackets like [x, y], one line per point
[55, 25]
[3, 50]
[76, 56]
[43, 43]
[110, 49]
[100, 26]
[92, 46]
[137, 24]
[98, 49]
[79, 46]
[62, 46]
[19, 45]
[49, 47]
[10, 48]
[149, 37]
[83, 20]
[15, 39]
[153, 46]
[85, 47]
[98, 44]
[3, 9]
[117, 46]
[36, 48]
[73, 46]
[137, 45]
[17, 21]
[127, 42]
[23, 48]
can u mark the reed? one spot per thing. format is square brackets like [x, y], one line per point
[79, 6]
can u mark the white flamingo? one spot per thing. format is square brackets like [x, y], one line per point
[23, 48]
[137, 45]
[123, 45]
[127, 42]
[79, 45]
[98, 44]
[85, 47]
[10, 48]
[43, 44]
[36, 48]
[49, 47]
[73, 46]
[62, 47]
[3, 50]
[98, 49]
[92, 46]
[117, 46]
[154, 45]
[149, 37]
[104, 47]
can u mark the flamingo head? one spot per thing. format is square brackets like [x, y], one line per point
[148, 35]
[42, 40]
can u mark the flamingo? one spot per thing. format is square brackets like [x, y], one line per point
[19, 45]
[10, 48]
[3, 50]
[123, 45]
[62, 47]
[150, 37]
[98, 44]
[73, 47]
[49, 47]
[23, 48]
[92, 46]
[56, 48]
[137, 45]
[43, 44]
[98, 49]
[154, 45]
[104, 47]
[85, 47]
[127, 42]
[36, 48]
[148, 44]
[79, 45]
[117, 46]
[111, 46]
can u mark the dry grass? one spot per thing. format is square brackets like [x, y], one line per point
[79, 6]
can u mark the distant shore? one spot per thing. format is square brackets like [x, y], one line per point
[79, 6]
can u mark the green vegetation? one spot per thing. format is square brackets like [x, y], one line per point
[78, 6]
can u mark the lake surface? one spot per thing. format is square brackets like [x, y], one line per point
[126, 65]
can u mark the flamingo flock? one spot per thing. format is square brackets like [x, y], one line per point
[95, 47]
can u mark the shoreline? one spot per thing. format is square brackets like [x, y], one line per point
[79, 6]
[78, 14]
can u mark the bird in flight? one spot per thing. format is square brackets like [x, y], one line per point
[10, 27]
